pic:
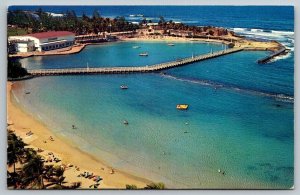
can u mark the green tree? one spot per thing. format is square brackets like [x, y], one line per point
[15, 149]
[131, 187]
[15, 69]
[155, 186]
[96, 14]
[161, 20]
[15, 152]
[33, 172]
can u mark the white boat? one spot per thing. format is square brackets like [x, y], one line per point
[143, 54]
[135, 47]
[137, 15]
[124, 87]
[171, 44]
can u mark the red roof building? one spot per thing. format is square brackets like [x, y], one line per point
[51, 34]
[45, 41]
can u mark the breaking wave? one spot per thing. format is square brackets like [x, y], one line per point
[215, 85]
[284, 37]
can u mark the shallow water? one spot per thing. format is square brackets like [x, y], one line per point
[238, 121]
[122, 54]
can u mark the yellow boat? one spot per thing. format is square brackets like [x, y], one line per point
[182, 106]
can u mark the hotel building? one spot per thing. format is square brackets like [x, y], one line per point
[44, 41]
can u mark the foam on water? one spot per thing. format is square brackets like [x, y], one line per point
[284, 37]
[278, 97]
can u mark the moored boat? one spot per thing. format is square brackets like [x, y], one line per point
[124, 87]
[143, 54]
[170, 44]
[182, 106]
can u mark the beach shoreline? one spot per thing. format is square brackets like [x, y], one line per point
[21, 122]
[247, 44]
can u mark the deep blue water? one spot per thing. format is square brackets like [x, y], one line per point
[240, 117]
[262, 17]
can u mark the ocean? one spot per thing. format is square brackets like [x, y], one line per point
[241, 114]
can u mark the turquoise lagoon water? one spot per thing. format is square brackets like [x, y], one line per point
[240, 118]
[121, 54]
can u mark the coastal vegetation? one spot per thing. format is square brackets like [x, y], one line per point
[155, 186]
[15, 31]
[15, 69]
[151, 186]
[40, 21]
[28, 168]
[131, 187]
[196, 30]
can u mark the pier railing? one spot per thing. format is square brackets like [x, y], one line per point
[134, 69]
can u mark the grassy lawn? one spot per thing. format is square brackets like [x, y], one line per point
[15, 31]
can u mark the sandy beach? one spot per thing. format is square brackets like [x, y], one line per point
[239, 42]
[76, 161]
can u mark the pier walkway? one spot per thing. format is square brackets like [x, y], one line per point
[136, 69]
[281, 51]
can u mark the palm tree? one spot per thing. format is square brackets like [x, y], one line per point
[155, 186]
[131, 187]
[55, 178]
[33, 172]
[56, 175]
[15, 149]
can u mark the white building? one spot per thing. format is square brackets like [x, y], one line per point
[22, 46]
[43, 41]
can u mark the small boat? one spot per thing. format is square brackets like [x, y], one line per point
[136, 15]
[171, 44]
[136, 47]
[143, 54]
[182, 106]
[125, 122]
[124, 87]
[27, 92]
